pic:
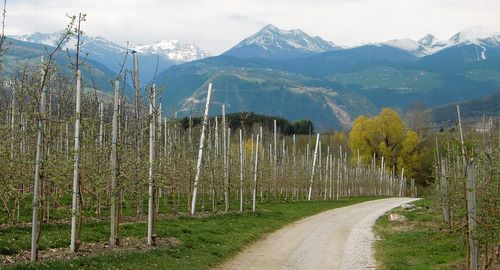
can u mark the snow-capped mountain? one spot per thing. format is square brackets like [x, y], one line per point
[405, 44]
[40, 38]
[480, 36]
[174, 50]
[92, 45]
[171, 49]
[111, 54]
[277, 44]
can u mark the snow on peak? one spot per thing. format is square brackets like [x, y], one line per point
[49, 39]
[404, 44]
[428, 40]
[171, 49]
[271, 38]
[174, 50]
[97, 45]
[429, 44]
[474, 35]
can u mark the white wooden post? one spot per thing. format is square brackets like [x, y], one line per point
[294, 150]
[76, 165]
[254, 194]
[327, 171]
[312, 169]
[241, 172]
[200, 152]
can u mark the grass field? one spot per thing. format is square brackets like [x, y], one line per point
[418, 242]
[205, 240]
[401, 80]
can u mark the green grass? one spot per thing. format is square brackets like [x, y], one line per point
[205, 241]
[482, 75]
[402, 80]
[418, 242]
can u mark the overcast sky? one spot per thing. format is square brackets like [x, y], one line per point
[217, 25]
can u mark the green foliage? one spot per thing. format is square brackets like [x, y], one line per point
[487, 105]
[247, 120]
[396, 79]
[386, 136]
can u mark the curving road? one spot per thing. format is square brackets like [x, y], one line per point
[341, 238]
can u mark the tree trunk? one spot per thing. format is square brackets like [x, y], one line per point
[114, 167]
[152, 100]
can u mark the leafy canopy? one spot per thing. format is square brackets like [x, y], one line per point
[386, 136]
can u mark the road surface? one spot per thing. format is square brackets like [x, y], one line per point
[341, 238]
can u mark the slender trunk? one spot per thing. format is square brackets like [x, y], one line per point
[472, 240]
[12, 124]
[464, 163]
[224, 155]
[114, 167]
[401, 183]
[38, 170]
[444, 194]
[152, 121]
[101, 127]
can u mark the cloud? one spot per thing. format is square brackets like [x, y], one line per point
[218, 25]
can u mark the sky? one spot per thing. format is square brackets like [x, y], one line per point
[217, 25]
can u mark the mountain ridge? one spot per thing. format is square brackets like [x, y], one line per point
[273, 43]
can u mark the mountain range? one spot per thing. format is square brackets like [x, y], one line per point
[166, 52]
[290, 74]
[276, 44]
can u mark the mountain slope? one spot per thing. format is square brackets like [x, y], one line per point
[21, 52]
[346, 60]
[332, 88]
[482, 38]
[276, 44]
[166, 53]
[174, 50]
[488, 105]
[247, 87]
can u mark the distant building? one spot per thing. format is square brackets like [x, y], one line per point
[485, 126]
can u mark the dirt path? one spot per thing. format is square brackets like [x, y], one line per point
[335, 239]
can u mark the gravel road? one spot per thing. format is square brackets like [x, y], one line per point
[341, 238]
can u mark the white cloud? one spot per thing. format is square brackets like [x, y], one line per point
[217, 25]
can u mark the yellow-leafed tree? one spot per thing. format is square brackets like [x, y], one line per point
[386, 136]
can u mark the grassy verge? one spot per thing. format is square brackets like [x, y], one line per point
[418, 242]
[205, 241]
